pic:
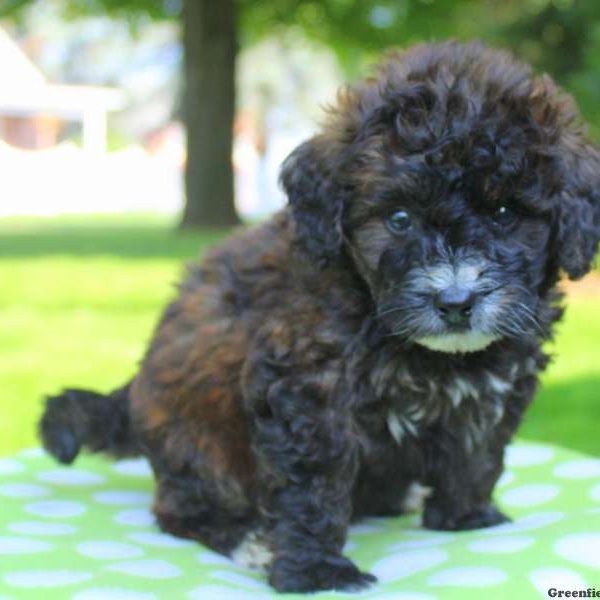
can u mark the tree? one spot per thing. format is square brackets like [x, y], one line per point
[209, 40]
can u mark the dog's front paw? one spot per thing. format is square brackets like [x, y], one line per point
[486, 516]
[331, 572]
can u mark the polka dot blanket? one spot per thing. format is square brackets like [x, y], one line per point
[86, 533]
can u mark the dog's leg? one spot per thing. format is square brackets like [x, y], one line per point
[463, 482]
[307, 466]
[187, 506]
[463, 467]
[462, 490]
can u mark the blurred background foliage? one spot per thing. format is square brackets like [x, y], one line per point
[560, 37]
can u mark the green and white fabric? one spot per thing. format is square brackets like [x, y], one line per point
[86, 533]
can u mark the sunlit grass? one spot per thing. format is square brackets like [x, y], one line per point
[79, 299]
[567, 408]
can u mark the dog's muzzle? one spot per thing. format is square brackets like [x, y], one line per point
[460, 313]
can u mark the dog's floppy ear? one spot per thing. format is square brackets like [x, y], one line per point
[579, 216]
[316, 199]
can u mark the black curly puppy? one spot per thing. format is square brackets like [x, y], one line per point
[383, 331]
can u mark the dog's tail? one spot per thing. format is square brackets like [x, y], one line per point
[98, 423]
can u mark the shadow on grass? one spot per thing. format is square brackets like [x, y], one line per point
[125, 237]
[567, 414]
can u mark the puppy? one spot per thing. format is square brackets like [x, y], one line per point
[382, 331]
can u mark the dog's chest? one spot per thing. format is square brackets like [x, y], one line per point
[412, 400]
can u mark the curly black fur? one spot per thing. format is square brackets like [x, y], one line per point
[313, 369]
[79, 418]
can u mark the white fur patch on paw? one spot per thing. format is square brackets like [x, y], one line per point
[253, 551]
[415, 497]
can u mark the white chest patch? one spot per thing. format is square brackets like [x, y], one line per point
[460, 389]
[498, 385]
[400, 426]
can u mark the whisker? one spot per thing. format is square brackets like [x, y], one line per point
[389, 311]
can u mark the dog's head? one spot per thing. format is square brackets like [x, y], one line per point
[459, 185]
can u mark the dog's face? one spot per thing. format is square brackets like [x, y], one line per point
[458, 186]
[445, 268]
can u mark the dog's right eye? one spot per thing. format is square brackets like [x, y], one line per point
[399, 222]
[504, 216]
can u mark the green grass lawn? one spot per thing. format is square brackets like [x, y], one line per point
[79, 297]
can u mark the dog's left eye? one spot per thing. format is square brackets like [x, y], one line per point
[399, 222]
[504, 215]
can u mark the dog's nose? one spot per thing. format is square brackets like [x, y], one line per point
[454, 305]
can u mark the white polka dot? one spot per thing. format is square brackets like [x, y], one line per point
[111, 593]
[212, 558]
[533, 521]
[55, 508]
[239, 579]
[582, 548]
[366, 528]
[426, 542]
[559, 578]
[416, 530]
[73, 477]
[583, 468]
[108, 550]
[135, 517]
[150, 569]
[530, 495]
[227, 593]
[8, 466]
[10, 545]
[45, 579]
[505, 479]
[32, 453]
[133, 467]
[122, 497]
[23, 490]
[501, 545]
[595, 492]
[527, 456]
[162, 540]
[469, 577]
[404, 564]
[41, 528]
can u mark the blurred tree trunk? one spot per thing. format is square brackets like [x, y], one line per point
[209, 41]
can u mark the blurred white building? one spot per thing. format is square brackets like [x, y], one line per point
[48, 168]
[32, 109]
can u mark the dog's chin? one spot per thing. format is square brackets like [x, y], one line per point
[462, 342]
